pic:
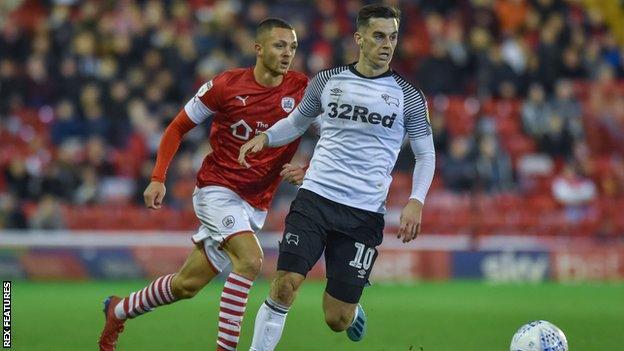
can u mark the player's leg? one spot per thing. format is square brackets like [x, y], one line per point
[348, 264]
[194, 275]
[186, 283]
[301, 247]
[271, 316]
[246, 256]
[338, 314]
[229, 224]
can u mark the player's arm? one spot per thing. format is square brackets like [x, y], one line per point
[290, 128]
[194, 112]
[424, 168]
[421, 142]
[169, 144]
[281, 133]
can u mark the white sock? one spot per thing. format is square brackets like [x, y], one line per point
[269, 326]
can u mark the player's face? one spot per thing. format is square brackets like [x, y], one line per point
[277, 50]
[377, 41]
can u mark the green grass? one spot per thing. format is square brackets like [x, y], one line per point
[433, 316]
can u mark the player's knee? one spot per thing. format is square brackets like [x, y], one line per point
[285, 288]
[184, 288]
[248, 266]
[337, 322]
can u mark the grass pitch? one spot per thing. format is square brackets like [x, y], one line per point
[470, 316]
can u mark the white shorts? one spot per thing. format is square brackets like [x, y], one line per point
[223, 214]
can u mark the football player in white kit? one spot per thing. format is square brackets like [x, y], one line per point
[366, 110]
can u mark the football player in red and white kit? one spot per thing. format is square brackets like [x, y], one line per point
[230, 200]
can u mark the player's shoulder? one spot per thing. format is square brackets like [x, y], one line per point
[403, 82]
[232, 74]
[296, 78]
[329, 72]
[231, 81]
[410, 90]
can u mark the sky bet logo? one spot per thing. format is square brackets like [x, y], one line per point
[359, 113]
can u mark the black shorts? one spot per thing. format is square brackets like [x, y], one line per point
[349, 236]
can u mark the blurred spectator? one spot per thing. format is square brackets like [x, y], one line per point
[18, 179]
[11, 214]
[459, 169]
[88, 192]
[535, 112]
[98, 156]
[572, 65]
[95, 123]
[40, 88]
[66, 124]
[565, 105]
[10, 82]
[47, 215]
[437, 74]
[557, 139]
[494, 71]
[68, 80]
[574, 192]
[60, 177]
[494, 171]
[548, 53]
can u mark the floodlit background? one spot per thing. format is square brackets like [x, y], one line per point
[527, 106]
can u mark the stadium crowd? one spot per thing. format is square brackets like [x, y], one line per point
[526, 103]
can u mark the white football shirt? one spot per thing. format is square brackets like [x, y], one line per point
[363, 123]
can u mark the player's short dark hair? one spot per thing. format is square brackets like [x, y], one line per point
[376, 11]
[270, 23]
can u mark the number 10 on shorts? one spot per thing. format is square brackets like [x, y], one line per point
[362, 260]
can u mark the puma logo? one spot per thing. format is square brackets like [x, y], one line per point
[243, 99]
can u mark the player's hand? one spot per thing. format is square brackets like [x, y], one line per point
[154, 194]
[293, 174]
[251, 147]
[411, 216]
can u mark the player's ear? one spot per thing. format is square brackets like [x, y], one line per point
[358, 39]
[258, 48]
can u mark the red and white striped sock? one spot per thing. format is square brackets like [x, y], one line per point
[231, 310]
[157, 293]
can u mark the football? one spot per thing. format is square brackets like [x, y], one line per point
[539, 336]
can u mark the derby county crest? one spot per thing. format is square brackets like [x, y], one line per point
[288, 104]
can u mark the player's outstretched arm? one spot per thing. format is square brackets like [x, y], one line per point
[411, 217]
[155, 191]
[154, 195]
[257, 144]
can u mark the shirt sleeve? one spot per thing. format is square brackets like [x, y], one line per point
[418, 129]
[416, 113]
[424, 168]
[170, 143]
[299, 120]
[207, 101]
[310, 106]
[288, 129]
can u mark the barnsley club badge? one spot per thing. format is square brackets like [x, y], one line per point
[288, 104]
